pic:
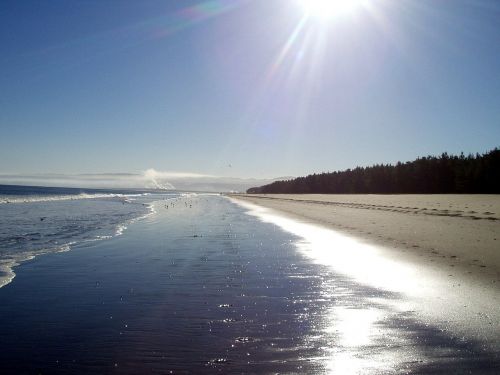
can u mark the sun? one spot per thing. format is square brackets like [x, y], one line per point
[327, 9]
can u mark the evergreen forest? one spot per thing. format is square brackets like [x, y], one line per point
[444, 174]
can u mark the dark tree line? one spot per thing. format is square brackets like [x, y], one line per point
[427, 175]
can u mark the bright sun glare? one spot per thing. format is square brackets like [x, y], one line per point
[327, 9]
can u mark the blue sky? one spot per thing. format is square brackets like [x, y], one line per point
[252, 88]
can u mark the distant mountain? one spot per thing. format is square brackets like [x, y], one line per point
[427, 175]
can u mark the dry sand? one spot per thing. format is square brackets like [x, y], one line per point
[459, 234]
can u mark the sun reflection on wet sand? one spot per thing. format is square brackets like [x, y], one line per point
[355, 326]
[385, 316]
[358, 342]
[363, 262]
[352, 330]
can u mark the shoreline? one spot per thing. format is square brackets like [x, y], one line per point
[456, 234]
[9, 264]
[263, 300]
[425, 259]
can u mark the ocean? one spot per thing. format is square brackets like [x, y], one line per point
[37, 220]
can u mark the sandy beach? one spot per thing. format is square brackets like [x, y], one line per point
[442, 252]
[460, 233]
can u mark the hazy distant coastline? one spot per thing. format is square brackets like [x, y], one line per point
[149, 179]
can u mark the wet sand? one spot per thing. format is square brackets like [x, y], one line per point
[209, 286]
[428, 248]
[460, 233]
